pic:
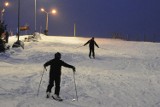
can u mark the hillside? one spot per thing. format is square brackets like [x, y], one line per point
[123, 74]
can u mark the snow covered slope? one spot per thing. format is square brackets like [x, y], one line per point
[124, 74]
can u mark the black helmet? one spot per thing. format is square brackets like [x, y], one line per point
[57, 55]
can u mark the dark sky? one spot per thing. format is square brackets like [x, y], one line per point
[92, 17]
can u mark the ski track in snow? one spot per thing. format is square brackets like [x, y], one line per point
[118, 77]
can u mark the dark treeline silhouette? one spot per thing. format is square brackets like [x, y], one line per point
[2, 39]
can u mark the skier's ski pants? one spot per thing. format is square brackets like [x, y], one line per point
[91, 51]
[55, 80]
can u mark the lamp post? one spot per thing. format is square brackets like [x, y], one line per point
[35, 16]
[47, 13]
[18, 43]
[18, 18]
[6, 4]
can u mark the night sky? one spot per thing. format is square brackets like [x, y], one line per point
[99, 18]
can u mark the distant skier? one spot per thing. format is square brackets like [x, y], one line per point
[91, 43]
[55, 75]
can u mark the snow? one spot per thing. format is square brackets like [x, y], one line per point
[124, 73]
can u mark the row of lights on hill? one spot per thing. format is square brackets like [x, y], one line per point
[6, 4]
[18, 42]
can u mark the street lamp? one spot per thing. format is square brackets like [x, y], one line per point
[47, 13]
[35, 16]
[6, 4]
[18, 18]
[18, 43]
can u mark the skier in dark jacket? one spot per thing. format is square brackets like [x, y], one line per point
[91, 43]
[55, 74]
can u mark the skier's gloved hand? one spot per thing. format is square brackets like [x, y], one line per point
[45, 67]
[74, 69]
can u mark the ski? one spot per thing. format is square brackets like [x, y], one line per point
[57, 99]
[60, 100]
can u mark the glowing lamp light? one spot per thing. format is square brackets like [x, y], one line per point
[42, 9]
[6, 4]
[54, 11]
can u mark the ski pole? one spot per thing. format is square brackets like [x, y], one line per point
[78, 47]
[75, 85]
[41, 81]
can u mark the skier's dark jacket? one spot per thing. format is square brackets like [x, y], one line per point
[91, 43]
[55, 66]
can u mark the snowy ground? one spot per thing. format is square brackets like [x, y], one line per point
[124, 74]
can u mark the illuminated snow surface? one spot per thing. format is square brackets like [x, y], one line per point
[123, 74]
